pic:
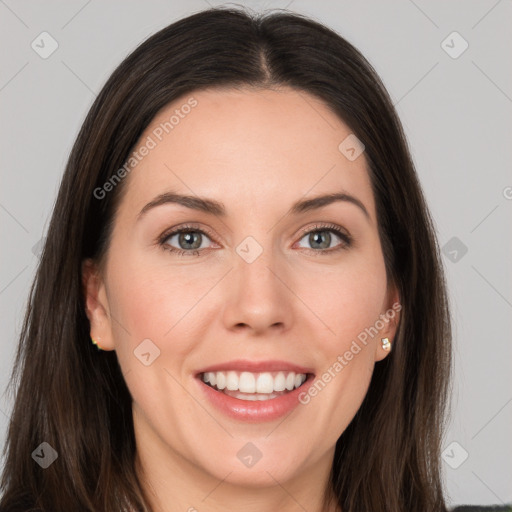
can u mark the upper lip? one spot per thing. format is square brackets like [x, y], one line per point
[243, 365]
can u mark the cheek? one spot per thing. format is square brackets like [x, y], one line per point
[348, 300]
[155, 301]
[152, 309]
[350, 307]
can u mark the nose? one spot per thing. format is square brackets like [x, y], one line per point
[258, 298]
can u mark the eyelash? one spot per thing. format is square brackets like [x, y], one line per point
[346, 239]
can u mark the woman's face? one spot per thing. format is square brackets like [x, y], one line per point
[255, 288]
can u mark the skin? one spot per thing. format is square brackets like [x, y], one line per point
[257, 152]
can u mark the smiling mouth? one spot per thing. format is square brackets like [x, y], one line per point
[254, 386]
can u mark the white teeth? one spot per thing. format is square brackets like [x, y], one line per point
[221, 380]
[252, 397]
[280, 382]
[290, 381]
[247, 382]
[232, 381]
[265, 383]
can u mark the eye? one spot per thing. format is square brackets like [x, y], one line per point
[191, 241]
[321, 239]
[185, 241]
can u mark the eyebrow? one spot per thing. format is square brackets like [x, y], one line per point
[217, 208]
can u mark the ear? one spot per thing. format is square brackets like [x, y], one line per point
[390, 319]
[96, 305]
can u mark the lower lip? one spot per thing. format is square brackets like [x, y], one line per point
[258, 410]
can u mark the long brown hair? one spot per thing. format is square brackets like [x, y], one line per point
[74, 397]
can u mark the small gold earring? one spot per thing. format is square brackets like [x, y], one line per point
[386, 345]
[96, 343]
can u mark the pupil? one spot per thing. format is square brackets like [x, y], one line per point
[315, 236]
[188, 238]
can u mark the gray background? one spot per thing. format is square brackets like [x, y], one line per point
[457, 116]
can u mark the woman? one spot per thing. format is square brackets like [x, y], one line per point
[240, 303]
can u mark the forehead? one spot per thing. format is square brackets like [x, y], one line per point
[265, 146]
